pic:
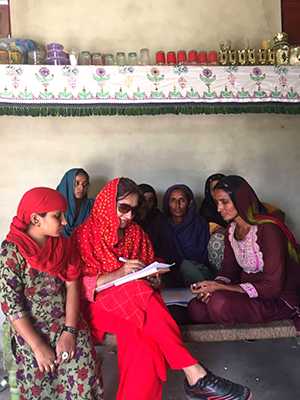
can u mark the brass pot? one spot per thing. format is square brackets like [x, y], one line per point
[295, 55]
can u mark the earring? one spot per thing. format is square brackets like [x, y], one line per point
[36, 222]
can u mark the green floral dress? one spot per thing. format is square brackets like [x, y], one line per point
[25, 291]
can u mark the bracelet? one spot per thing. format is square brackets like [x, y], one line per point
[70, 329]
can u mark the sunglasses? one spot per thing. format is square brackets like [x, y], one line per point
[124, 208]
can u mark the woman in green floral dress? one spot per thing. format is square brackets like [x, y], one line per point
[39, 295]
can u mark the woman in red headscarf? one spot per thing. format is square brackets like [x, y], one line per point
[260, 276]
[40, 298]
[111, 246]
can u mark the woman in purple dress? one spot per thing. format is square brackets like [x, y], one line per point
[259, 279]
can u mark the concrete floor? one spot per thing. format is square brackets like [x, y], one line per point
[269, 367]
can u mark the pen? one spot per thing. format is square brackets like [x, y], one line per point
[122, 259]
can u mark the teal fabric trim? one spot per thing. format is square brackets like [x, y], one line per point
[71, 110]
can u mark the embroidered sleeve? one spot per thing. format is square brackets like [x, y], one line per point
[88, 287]
[249, 289]
[11, 283]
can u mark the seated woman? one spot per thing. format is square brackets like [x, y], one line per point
[154, 223]
[190, 235]
[74, 187]
[208, 209]
[259, 280]
[148, 338]
[217, 225]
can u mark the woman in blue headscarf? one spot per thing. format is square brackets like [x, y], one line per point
[74, 187]
[190, 234]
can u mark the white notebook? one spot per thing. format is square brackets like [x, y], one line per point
[151, 269]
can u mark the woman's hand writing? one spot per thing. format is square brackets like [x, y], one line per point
[128, 267]
[131, 266]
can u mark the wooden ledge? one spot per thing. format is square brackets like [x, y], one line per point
[223, 333]
[220, 333]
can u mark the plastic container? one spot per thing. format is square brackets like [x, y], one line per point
[132, 58]
[97, 59]
[120, 58]
[85, 58]
[54, 46]
[181, 57]
[145, 57]
[160, 57]
[171, 58]
[36, 57]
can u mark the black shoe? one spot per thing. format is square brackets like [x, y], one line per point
[216, 388]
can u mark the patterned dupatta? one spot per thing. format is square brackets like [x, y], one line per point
[99, 244]
[100, 248]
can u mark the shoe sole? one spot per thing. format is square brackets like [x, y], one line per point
[250, 397]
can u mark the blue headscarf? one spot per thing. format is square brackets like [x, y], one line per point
[66, 188]
[191, 236]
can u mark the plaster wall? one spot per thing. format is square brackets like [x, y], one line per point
[163, 150]
[111, 25]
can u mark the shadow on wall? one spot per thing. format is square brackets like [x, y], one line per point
[97, 184]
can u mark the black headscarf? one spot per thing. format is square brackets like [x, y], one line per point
[145, 188]
[156, 226]
[208, 208]
[191, 236]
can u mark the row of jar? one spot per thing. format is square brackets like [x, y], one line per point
[120, 58]
[281, 56]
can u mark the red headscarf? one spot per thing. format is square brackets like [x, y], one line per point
[57, 256]
[98, 241]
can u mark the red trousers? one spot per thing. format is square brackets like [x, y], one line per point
[143, 354]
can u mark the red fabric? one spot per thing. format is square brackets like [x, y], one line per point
[98, 241]
[57, 257]
[129, 301]
[88, 286]
[143, 354]
[100, 249]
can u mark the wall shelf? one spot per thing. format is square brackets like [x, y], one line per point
[138, 90]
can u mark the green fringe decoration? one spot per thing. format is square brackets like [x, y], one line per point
[71, 110]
